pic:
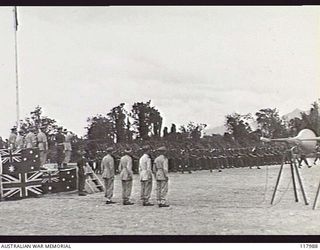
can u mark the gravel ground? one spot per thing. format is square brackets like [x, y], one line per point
[235, 201]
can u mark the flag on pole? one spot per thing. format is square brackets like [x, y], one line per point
[15, 18]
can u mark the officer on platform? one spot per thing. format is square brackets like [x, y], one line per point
[12, 137]
[60, 139]
[42, 145]
[31, 138]
[20, 140]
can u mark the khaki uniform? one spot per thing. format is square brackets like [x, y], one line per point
[67, 148]
[12, 140]
[126, 174]
[31, 140]
[107, 169]
[43, 147]
[19, 142]
[145, 171]
[160, 168]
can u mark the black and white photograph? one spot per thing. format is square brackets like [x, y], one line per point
[159, 120]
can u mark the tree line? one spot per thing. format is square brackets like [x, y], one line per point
[144, 122]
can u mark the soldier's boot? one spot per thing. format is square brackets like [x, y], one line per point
[164, 205]
[110, 202]
[127, 203]
[147, 204]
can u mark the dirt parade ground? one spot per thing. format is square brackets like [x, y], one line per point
[234, 201]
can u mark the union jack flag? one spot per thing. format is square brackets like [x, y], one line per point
[9, 155]
[24, 186]
[50, 176]
[50, 181]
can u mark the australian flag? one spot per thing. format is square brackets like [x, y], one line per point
[63, 180]
[15, 161]
[20, 175]
[68, 179]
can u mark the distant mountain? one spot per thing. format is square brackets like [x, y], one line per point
[294, 114]
[222, 129]
[216, 130]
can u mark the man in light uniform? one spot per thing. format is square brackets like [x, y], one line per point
[42, 145]
[12, 137]
[20, 140]
[107, 169]
[145, 171]
[67, 147]
[126, 175]
[160, 169]
[31, 139]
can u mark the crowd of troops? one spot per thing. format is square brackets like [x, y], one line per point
[189, 160]
[155, 165]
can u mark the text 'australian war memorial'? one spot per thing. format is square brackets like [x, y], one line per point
[153, 121]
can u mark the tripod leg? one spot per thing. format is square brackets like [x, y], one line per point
[316, 198]
[294, 182]
[300, 183]
[278, 179]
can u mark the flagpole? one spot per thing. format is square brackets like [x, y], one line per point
[16, 65]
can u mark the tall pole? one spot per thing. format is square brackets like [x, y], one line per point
[16, 65]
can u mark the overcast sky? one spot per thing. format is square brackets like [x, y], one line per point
[194, 63]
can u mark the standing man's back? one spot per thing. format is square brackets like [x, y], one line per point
[161, 168]
[145, 172]
[108, 171]
[126, 176]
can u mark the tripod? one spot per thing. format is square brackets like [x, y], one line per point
[288, 155]
[316, 198]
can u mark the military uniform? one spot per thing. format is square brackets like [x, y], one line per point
[19, 144]
[160, 168]
[31, 140]
[145, 171]
[81, 163]
[12, 139]
[303, 158]
[107, 169]
[67, 148]
[126, 175]
[43, 147]
[317, 155]
[60, 139]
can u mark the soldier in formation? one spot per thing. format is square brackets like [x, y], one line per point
[108, 172]
[145, 172]
[126, 176]
[317, 154]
